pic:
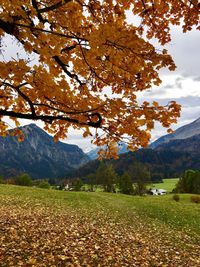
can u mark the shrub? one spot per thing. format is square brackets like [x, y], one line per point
[44, 184]
[195, 199]
[176, 198]
[24, 180]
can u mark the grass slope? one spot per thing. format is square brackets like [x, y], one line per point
[52, 228]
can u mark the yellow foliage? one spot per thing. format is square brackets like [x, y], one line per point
[87, 52]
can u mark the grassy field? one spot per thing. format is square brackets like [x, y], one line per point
[41, 227]
[168, 184]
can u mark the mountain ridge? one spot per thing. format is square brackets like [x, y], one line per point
[169, 156]
[165, 161]
[38, 155]
[183, 132]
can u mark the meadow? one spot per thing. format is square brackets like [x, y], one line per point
[41, 227]
[168, 184]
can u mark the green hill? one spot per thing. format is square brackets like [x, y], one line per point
[41, 227]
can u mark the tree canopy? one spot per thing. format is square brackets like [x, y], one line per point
[90, 64]
[189, 182]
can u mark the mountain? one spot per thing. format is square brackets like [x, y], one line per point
[183, 132]
[93, 154]
[169, 156]
[191, 145]
[38, 155]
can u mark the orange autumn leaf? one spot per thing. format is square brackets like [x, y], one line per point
[90, 65]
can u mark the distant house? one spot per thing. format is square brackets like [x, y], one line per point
[66, 187]
[157, 192]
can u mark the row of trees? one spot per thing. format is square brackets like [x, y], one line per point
[189, 182]
[106, 176]
[25, 179]
[133, 181]
[136, 178]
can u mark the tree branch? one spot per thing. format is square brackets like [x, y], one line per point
[25, 97]
[35, 5]
[63, 66]
[55, 6]
[51, 118]
[75, 111]
[43, 30]
[7, 26]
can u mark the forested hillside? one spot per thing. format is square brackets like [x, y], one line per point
[161, 163]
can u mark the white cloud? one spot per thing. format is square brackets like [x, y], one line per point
[173, 87]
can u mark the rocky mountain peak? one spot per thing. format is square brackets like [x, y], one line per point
[38, 155]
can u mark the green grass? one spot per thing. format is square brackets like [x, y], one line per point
[151, 222]
[168, 184]
[163, 209]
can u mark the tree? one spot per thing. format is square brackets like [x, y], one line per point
[24, 180]
[106, 176]
[90, 65]
[77, 184]
[125, 184]
[189, 182]
[91, 180]
[140, 176]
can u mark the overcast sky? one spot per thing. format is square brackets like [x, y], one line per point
[182, 85]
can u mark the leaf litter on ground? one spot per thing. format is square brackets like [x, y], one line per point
[37, 233]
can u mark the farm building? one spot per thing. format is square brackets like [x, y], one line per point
[157, 192]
